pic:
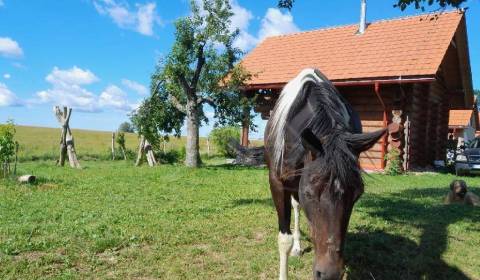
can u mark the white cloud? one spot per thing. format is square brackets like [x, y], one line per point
[10, 48]
[72, 76]
[141, 20]
[241, 19]
[276, 23]
[7, 97]
[68, 89]
[137, 87]
[114, 97]
[70, 95]
[273, 23]
[6, 76]
[146, 18]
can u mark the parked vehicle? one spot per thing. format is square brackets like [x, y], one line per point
[467, 160]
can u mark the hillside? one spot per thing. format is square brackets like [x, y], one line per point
[43, 142]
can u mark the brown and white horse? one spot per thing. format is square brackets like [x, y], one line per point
[312, 143]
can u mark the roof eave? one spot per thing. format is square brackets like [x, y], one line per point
[356, 82]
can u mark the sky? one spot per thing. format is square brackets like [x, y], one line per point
[97, 55]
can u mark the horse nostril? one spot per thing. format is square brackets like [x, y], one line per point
[318, 275]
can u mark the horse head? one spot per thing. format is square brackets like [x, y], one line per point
[330, 185]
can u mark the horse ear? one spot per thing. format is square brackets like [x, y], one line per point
[363, 141]
[310, 142]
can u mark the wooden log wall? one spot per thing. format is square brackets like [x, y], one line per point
[364, 100]
[442, 117]
[418, 114]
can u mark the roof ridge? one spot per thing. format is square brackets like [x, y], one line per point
[373, 22]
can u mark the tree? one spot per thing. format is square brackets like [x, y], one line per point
[402, 4]
[121, 143]
[7, 146]
[223, 137]
[194, 74]
[126, 127]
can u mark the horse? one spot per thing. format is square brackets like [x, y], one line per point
[313, 140]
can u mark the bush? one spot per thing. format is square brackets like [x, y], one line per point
[7, 145]
[394, 165]
[222, 138]
[172, 156]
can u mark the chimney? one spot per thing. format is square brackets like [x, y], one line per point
[363, 18]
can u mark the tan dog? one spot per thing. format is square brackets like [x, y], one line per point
[459, 194]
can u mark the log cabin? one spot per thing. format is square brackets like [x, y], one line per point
[405, 74]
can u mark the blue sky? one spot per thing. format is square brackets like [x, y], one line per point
[98, 55]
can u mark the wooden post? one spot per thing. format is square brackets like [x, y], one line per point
[113, 145]
[208, 146]
[145, 148]
[67, 145]
[385, 123]
[16, 159]
[245, 128]
[141, 146]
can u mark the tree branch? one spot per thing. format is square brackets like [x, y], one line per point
[198, 70]
[185, 86]
[177, 104]
[207, 100]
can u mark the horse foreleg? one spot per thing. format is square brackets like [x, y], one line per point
[296, 249]
[285, 243]
[282, 202]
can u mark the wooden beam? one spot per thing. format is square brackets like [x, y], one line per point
[385, 123]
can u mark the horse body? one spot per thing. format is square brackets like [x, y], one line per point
[312, 143]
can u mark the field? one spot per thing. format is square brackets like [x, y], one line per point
[43, 143]
[112, 221]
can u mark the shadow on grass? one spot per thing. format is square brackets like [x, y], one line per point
[226, 166]
[381, 255]
[250, 201]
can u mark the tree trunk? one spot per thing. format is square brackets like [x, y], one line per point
[63, 147]
[192, 149]
[72, 155]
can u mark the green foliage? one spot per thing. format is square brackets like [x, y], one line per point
[420, 4]
[200, 69]
[394, 165]
[120, 139]
[402, 4]
[222, 138]
[7, 144]
[126, 127]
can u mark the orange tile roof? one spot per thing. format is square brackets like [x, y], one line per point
[410, 46]
[460, 118]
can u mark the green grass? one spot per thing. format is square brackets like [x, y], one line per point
[37, 143]
[112, 221]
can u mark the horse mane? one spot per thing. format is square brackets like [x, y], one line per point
[331, 114]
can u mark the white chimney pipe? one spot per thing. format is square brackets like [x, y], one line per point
[363, 17]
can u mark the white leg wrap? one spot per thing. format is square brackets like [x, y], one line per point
[285, 243]
[296, 250]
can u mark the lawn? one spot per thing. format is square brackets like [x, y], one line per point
[113, 221]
